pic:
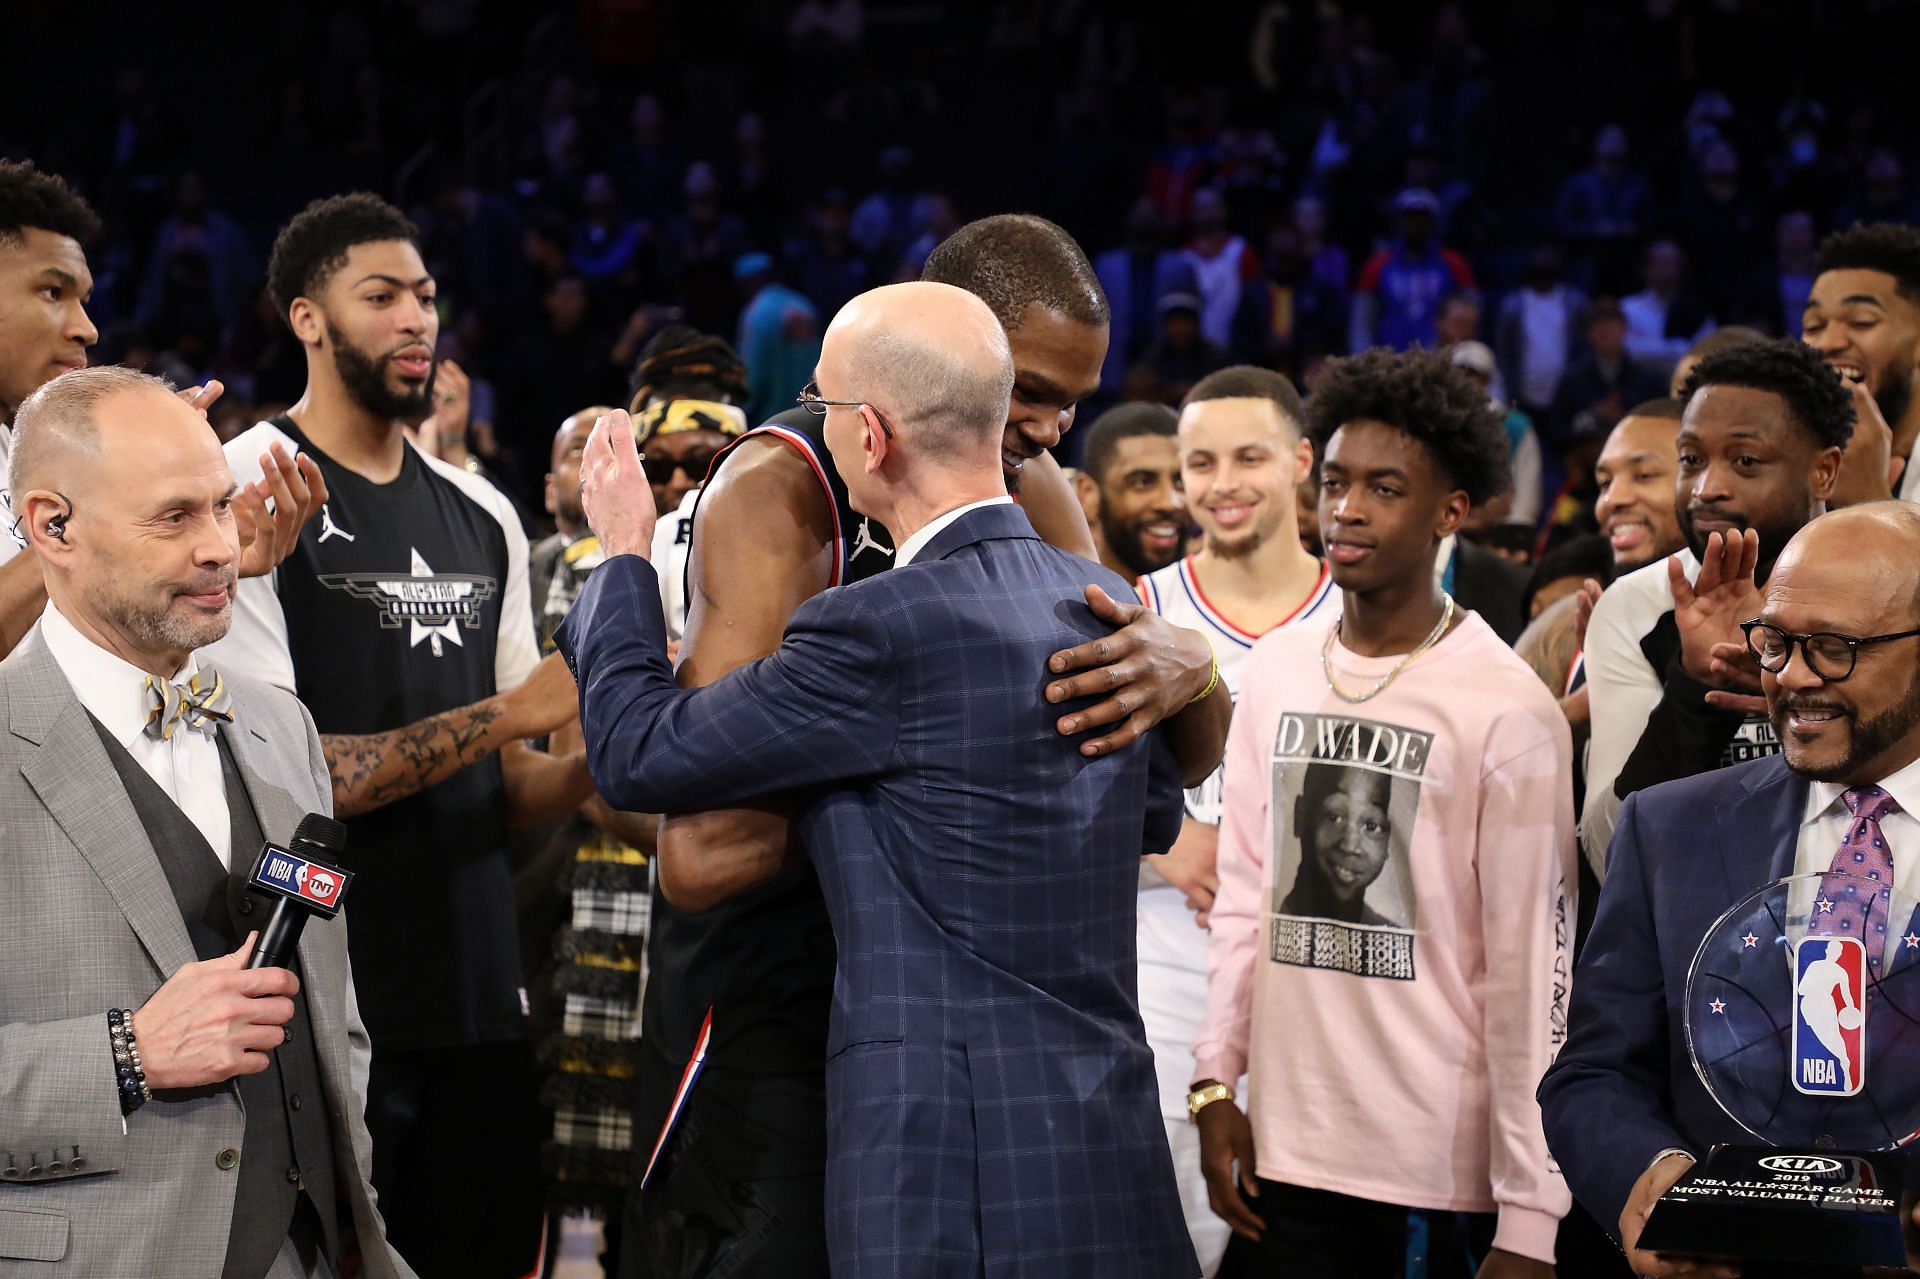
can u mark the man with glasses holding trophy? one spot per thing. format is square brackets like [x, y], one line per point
[1742, 1072]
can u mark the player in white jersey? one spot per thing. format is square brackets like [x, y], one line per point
[1242, 458]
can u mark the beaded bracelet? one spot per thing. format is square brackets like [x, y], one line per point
[132, 1076]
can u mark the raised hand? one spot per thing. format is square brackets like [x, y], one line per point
[268, 534]
[202, 397]
[1589, 595]
[1867, 467]
[614, 488]
[1708, 611]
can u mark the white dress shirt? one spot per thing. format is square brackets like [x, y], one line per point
[918, 542]
[114, 691]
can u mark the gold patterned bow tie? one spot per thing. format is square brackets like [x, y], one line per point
[196, 704]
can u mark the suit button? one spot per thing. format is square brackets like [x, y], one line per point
[246, 908]
[293, 1175]
[226, 1159]
[294, 1101]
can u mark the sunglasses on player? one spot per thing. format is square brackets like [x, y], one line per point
[692, 464]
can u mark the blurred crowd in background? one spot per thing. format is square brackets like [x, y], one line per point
[1269, 183]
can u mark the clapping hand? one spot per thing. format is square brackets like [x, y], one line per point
[1708, 612]
[614, 488]
[1868, 469]
[268, 533]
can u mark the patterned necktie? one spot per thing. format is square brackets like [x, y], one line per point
[1847, 908]
[169, 705]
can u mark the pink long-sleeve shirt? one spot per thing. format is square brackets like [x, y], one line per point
[1390, 948]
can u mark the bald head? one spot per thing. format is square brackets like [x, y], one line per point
[57, 431]
[1868, 553]
[1846, 709]
[572, 435]
[127, 500]
[931, 359]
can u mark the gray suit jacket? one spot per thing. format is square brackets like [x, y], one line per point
[88, 923]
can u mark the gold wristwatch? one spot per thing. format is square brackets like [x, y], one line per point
[1198, 1099]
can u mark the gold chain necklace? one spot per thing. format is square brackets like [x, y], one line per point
[1380, 685]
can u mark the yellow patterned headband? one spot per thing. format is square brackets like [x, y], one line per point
[670, 417]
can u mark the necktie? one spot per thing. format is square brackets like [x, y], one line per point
[1846, 908]
[196, 704]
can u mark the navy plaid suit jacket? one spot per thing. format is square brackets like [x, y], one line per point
[991, 1099]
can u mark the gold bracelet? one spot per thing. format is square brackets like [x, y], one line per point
[1212, 684]
[1198, 1099]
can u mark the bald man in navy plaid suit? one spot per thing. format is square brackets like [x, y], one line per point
[991, 1098]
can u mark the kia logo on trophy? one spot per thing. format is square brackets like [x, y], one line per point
[1800, 1163]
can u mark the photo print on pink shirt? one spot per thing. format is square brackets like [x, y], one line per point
[1346, 792]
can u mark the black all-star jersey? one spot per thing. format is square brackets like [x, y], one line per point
[763, 961]
[404, 600]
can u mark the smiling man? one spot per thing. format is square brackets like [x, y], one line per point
[1759, 449]
[1637, 516]
[1863, 316]
[1242, 454]
[1837, 656]
[1636, 510]
[1129, 486]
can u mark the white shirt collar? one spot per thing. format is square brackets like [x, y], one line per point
[1904, 786]
[112, 689]
[918, 542]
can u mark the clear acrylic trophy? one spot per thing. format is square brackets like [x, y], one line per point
[1808, 1035]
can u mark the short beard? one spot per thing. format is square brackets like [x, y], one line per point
[1124, 541]
[1867, 740]
[1238, 548]
[365, 379]
[164, 629]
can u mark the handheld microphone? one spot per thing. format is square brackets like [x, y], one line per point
[303, 884]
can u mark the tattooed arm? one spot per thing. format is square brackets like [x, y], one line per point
[372, 770]
[1549, 645]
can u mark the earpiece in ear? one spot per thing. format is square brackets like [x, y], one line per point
[57, 528]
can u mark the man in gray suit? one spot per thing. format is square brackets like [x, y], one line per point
[136, 787]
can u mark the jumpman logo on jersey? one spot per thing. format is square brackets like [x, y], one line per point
[329, 529]
[864, 542]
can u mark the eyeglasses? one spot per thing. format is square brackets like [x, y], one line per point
[1829, 654]
[693, 465]
[810, 400]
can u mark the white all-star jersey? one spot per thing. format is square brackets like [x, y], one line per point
[1174, 593]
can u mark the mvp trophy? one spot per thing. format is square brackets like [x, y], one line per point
[1808, 1035]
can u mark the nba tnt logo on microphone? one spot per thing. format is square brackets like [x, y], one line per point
[295, 876]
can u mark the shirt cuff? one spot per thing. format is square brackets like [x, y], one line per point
[1670, 1150]
[1526, 1232]
[1219, 1063]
